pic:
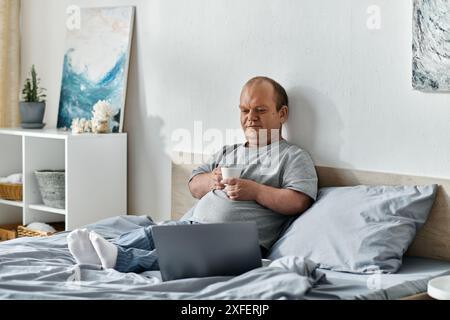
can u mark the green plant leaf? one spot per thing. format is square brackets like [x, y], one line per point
[32, 92]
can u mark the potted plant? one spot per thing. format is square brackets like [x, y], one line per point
[32, 108]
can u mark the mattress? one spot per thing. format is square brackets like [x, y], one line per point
[411, 279]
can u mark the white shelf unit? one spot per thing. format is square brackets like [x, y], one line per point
[96, 175]
[12, 203]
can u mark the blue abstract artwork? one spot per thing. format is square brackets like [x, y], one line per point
[431, 45]
[96, 64]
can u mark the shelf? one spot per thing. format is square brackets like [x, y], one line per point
[28, 150]
[55, 134]
[12, 203]
[41, 207]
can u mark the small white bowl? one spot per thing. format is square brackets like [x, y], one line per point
[439, 288]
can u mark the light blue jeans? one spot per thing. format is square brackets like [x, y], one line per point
[136, 249]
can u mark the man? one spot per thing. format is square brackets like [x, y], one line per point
[278, 180]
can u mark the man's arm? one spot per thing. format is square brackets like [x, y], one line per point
[203, 183]
[283, 201]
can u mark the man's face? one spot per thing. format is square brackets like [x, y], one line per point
[258, 112]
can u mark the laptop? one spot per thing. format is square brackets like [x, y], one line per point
[206, 250]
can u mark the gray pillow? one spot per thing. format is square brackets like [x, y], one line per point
[361, 229]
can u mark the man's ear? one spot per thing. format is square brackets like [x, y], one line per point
[284, 114]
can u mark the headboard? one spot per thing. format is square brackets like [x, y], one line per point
[432, 241]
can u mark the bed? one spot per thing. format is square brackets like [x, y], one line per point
[42, 268]
[427, 257]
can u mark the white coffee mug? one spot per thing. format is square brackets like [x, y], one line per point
[230, 172]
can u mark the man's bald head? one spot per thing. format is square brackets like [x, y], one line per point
[280, 95]
[264, 109]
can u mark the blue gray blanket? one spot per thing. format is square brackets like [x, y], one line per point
[43, 268]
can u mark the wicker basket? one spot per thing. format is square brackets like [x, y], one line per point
[11, 191]
[23, 231]
[8, 231]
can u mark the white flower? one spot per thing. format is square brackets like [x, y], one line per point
[81, 125]
[103, 110]
[87, 125]
[76, 128]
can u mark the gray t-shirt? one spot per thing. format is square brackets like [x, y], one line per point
[279, 165]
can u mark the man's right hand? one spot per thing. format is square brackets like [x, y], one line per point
[216, 181]
[203, 183]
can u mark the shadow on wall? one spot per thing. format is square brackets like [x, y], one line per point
[147, 160]
[315, 124]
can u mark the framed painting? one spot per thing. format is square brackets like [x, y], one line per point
[431, 45]
[96, 63]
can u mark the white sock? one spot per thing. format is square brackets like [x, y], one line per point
[106, 251]
[81, 247]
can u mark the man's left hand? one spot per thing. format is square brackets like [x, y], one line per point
[241, 189]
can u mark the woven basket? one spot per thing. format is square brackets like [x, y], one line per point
[8, 231]
[23, 231]
[52, 187]
[11, 191]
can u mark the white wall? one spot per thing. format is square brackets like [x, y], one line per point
[351, 99]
